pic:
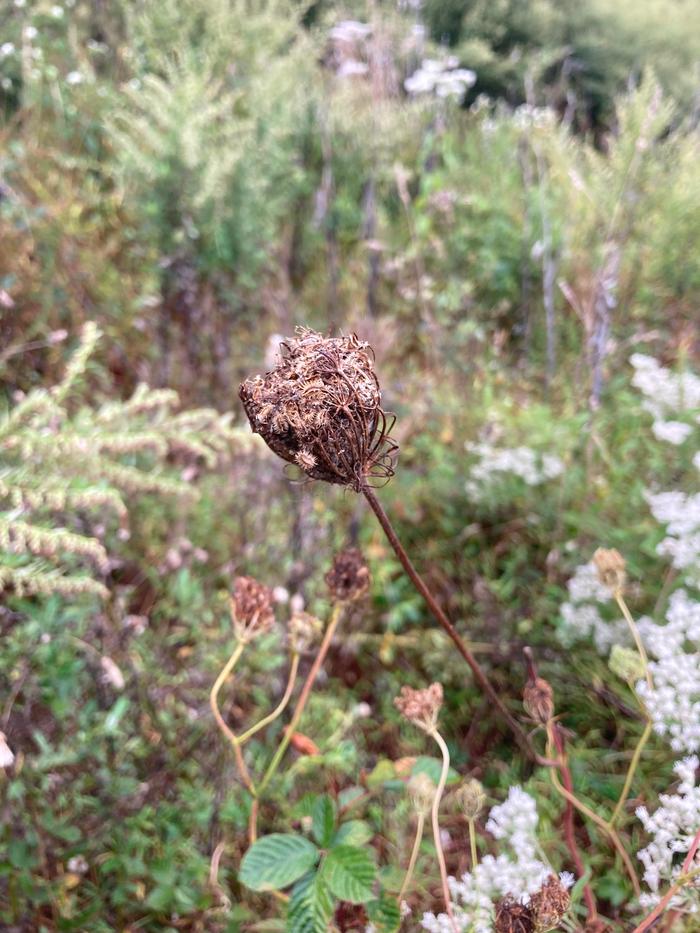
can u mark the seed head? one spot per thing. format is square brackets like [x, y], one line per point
[513, 917]
[626, 664]
[321, 409]
[251, 608]
[303, 631]
[421, 707]
[549, 905]
[348, 579]
[611, 567]
[471, 798]
[538, 700]
[421, 792]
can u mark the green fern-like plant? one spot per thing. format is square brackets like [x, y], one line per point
[65, 462]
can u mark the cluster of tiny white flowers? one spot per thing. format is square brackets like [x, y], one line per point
[681, 515]
[666, 393]
[673, 702]
[518, 873]
[673, 827]
[533, 468]
[442, 78]
[581, 613]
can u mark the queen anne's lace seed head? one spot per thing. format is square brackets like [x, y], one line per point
[348, 579]
[421, 707]
[251, 608]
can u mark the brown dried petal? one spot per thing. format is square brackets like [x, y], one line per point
[421, 707]
[251, 607]
[538, 700]
[549, 905]
[320, 408]
[512, 917]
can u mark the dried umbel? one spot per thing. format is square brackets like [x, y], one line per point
[538, 700]
[251, 608]
[320, 408]
[471, 798]
[303, 630]
[513, 917]
[421, 707]
[549, 905]
[611, 567]
[421, 793]
[348, 579]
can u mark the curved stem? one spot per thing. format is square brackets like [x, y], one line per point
[435, 816]
[472, 844]
[414, 855]
[643, 739]
[620, 600]
[294, 667]
[438, 613]
[303, 696]
[214, 704]
[591, 815]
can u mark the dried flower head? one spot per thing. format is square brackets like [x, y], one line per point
[348, 579]
[626, 664]
[471, 798]
[611, 567]
[321, 409]
[421, 793]
[549, 905]
[303, 631]
[421, 707]
[538, 700]
[513, 917]
[251, 608]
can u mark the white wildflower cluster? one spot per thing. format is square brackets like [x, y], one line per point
[673, 827]
[349, 53]
[667, 394]
[581, 613]
[681, 515]
[442, 78]
[673, 701]
[529, 465]
[517, 872]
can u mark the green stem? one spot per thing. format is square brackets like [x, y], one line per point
[631, 772]
[214, 703]
[303, 696]
[294, 667]
[472, 844]
[413, 858]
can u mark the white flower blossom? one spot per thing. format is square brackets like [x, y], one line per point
[442, 78]
[7, 49]
[581, 615]
[665, 392]
[672, 432]
[533, 468]
[74, 77]
[681, 515]
[673, 826]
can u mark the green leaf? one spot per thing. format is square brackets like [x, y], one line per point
[352, 833]
[323, 820]
[349, 872]
[276, 861]
[433, 767]
[384, 914]
[310, 906]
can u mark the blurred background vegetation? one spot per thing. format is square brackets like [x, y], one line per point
[181, 183]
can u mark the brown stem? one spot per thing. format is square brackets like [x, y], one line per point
[569, 831]
[438, 613]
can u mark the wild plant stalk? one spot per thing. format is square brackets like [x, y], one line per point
[280, 708]
[420, 826]
[435, 820]
[472, 844]
[228, 733]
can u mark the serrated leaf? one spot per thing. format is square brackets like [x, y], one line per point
[384, 914]
[276, 861]
[352, 833]
[323, 820]
[310, 906]
[349, 873]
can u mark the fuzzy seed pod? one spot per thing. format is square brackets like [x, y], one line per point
[421, 707]
[538, 700]
[549, 905]
[251, 608]
[320, 408]
[303, 631]
[471, 798]
[348, 579]
[421, 792]
[513, 917]
[611, 567]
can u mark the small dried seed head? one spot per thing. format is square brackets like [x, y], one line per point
[471, 798]
[421, 707]
[348, 579]
[626, 663]
[549, 905]
[321, 409]
[513, 917]
[538, 700]
[611, 567]
[421, 792]
[303, 631]
[251, 608]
